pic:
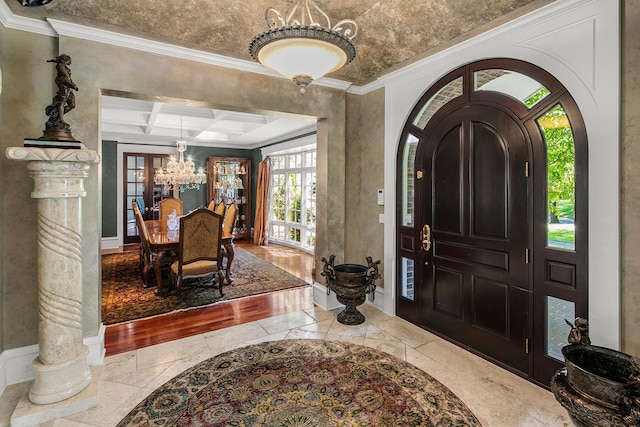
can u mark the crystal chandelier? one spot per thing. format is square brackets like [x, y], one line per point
[299, 47]
[181, 174]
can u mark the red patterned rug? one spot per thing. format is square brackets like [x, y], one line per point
[302, 383]
[124, 297]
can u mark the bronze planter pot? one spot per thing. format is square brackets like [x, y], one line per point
[351, 283]
[599, 374]
[598, 387]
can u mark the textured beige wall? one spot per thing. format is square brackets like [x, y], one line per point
[364, 176]
[630, 159]
[27, 89]
[2, 63]
[98, 67]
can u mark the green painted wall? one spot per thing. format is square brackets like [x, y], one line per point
[109, 190]
[192, 199]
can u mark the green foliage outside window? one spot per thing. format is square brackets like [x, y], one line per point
[293, 189]
[537, 96]
[560, 162]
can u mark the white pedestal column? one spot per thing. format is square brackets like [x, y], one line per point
[61, 369]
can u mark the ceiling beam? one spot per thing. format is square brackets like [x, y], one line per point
[153, 117]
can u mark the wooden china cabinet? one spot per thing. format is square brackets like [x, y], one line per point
[229, 181]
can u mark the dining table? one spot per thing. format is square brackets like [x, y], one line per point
[163, 241]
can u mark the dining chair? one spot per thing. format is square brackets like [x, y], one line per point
[199, 250]
[221, 209]
[146, 257]
[212, 205]
[230, 219]
[167, 206]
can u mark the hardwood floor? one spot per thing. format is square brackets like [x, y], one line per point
[145, 332]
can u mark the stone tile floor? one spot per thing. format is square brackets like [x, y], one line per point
[497, 397]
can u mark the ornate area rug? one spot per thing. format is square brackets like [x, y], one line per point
[302, 383]
[125, 298]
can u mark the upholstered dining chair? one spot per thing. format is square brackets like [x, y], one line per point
[220, 209]
[167, 206]
[199, 250]
[230, 219]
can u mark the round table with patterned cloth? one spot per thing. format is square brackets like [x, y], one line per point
[302, 383]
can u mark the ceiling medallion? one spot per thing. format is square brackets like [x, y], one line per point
[299, 47]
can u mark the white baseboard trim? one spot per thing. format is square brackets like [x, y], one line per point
[3, 372]
[110, 243]
[320, 297]
[15, 364]
[16, 367]
[96, 347]
[378, 301]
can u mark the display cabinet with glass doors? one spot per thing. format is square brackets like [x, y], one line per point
[229, 181]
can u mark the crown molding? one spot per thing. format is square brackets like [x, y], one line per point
[55, 28]
[9, 20]
[68, 29]
[369, 87]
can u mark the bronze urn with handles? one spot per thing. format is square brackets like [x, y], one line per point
[351, 283]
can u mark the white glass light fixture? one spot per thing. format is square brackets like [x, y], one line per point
[299, 47]
[180, 173]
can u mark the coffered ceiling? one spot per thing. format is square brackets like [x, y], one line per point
[157, 122]
[392, 34]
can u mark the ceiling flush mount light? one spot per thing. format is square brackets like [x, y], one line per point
[299, 47]
[180, 173]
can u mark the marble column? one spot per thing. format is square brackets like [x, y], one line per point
[61, 369]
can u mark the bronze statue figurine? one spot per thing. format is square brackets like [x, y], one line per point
[56, 128]
[64, 100]
[57, 132]
[579, 333]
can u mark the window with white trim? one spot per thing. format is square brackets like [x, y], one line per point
[292, 218]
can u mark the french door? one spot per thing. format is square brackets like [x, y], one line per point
[138, 185]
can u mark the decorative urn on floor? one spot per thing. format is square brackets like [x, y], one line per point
[598, 386]
[351, 283]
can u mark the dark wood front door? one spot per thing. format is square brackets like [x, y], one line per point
[473, 219]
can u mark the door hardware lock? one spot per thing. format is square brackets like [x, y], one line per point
[425, 237]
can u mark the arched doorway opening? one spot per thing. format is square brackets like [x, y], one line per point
[492, 231]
